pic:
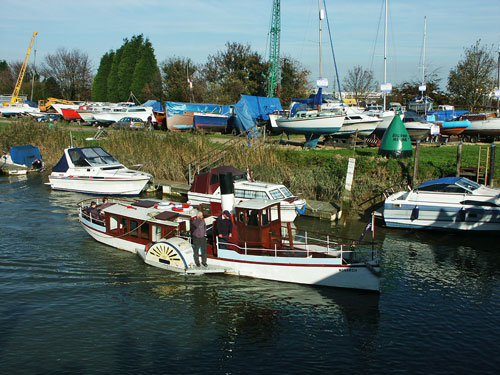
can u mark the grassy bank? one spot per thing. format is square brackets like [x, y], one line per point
[316, 174]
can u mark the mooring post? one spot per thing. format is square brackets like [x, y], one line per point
[492, 164]
[415, 165]
[459, 158]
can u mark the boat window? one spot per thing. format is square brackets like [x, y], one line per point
[123, 225]
[253, 218]
[273, 213]
[137, 110]
[133, 231]
[96, 156]
[286, 192]
[443, 188]
[468, 184]
[77, 158]
[145, 231]
[276, 194]
[241, 216]
[214, 179]
[113, 223]
[250, 194]
[266, 214]
[156, 232]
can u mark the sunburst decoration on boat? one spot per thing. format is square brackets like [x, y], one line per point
[166, 254]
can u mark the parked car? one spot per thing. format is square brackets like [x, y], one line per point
[49, 117]
[129, 123]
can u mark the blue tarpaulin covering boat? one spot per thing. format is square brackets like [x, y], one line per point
[155, 104]
[251, 109]
[25, 155]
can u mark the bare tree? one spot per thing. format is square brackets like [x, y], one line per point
[73, 72]
[472, 79]
[360, 82]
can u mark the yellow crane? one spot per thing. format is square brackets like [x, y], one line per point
[19, 82]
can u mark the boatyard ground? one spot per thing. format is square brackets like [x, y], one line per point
[317, 174]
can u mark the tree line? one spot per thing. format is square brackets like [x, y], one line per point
[226, 74]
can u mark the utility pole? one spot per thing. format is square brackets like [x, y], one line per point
[498, 83]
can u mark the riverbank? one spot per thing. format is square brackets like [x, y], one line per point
[317, 174]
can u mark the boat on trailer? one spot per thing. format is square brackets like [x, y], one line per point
[449, 203]
[260, 246]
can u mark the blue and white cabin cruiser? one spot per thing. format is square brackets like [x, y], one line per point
[92, 170]
[21, 160]
[449, 203]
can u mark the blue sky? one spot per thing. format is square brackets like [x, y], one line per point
[197, 28]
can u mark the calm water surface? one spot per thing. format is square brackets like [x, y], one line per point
[69, 304]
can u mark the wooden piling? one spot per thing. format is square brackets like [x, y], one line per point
[491, 174]
[459, 158]
[415, 165]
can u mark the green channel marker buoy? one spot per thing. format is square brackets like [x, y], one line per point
[396, 141]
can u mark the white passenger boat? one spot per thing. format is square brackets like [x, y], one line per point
[92, 170]
[17, 109]
[261, 248]
[21, 160]
[451, 203]
[206, 190]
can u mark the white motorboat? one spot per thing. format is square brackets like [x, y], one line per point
[206, 189]
[17, 109]
[358, 123]
[21, 160]
[260, 247]
[451, 203]
[92, 170]
[117, 113]
[489, 127]
[418, 128]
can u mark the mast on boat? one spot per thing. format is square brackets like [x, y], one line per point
[321, 16]
[423, 88]
[385, 54]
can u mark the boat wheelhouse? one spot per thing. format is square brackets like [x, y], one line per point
[450, 203]
[206, 189]
[92, 170]
[260, 245]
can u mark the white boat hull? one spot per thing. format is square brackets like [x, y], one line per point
[323, 125]
[104, 186]
[97, 232]
[310, 271]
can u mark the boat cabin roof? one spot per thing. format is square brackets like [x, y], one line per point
[449, 184]
[142, 213]
[257, 204]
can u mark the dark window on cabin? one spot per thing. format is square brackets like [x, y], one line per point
[265, 217]
[145, 231]
[123, 225]
[452, 188]
[133, 228]
[241, 216]
[214, 179]
[253, 218]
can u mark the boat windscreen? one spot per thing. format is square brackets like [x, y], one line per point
[286, 192]
[276, 194]
[468, 184]
[97, 157]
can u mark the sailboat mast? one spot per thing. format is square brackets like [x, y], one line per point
[321, 16]
[385, 54]
[423, 59]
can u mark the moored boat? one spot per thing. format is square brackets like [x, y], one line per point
[92, 170]
[206, 189]
[260, 248]
[21, 160]
[450, 203]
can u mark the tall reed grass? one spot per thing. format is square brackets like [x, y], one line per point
[315, 174]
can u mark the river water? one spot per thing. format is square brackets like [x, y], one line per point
[69, 304]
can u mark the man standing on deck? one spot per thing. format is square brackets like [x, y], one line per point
[199, 240]
[224, 228]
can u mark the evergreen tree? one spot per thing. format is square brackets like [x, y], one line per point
[51, 88]
[100, 85]
[175, 75]
[112, 83]
[294, 82]
[126, 68]
[145, 72]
